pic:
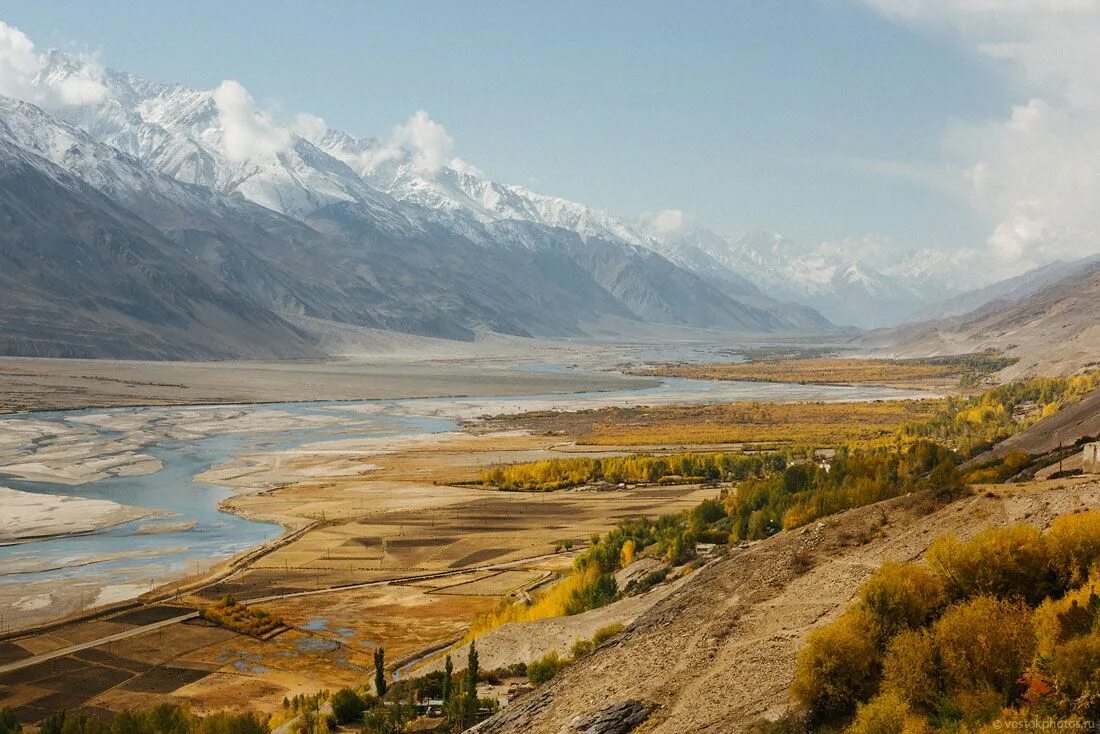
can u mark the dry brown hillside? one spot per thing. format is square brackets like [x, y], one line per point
[720, 653]
[1053, 331]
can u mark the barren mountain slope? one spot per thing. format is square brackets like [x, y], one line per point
[720, 653]
[1053, 331]
[81, 276]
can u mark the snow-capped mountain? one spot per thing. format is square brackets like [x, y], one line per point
[410, 182]
[216, 139]
[758, 266]
[85, 276]
[265, 236]
[221, 140]
[847, 287]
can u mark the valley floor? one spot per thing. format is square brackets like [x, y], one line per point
[63, 384]
[391, 541]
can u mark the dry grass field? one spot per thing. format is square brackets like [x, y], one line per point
[821, 371]
[813, 424]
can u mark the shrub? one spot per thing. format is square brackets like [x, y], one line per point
[544, 669]
[1074, 542]
[581, 648]
[626, 554]
[1071, 616]
[838, 666]
[603, 634]
[647, 582]
[984, 643]
[63, 723]
[901, 596]
[883, 714]
[977, 706]
[1076, 667]
[227, 723]
[8, 723]
[347, 706]
[1010, 562]
[389, 719]
[571, 595]
[233, 615]
[909, 670]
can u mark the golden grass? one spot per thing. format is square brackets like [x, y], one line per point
[553, 602]
[817, 424]
[812, 371]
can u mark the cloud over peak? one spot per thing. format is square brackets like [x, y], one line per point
[22, 75]
[668, 222]
[246, 132]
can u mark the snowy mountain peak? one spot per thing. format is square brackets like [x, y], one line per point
[220, 139]
[214, 138]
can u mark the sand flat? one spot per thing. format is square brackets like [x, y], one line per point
[31, 516]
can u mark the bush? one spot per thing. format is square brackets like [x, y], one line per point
[347, 706]
[1074, 542]
[544, 669]
[233, 615]
[909, 670]
[581, 648]
[1057, 621]
[838, 666]
[8, 723]
[984, 643]
[647, 582]
[226, 723]
[63, 723]
[884, 714]
[1008, 563]
[603, 634]
[901, 596]
[1076, 667]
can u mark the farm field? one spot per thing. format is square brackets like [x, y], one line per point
[393, 523]
[941, 373]
[812, 424]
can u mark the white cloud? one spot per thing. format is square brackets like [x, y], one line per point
[246, 132]
[468, 169]
[668, 222]
[310, 127]
[428, 141]
[1036, 171]
[22, 74]
[19, 64]
[421, 141]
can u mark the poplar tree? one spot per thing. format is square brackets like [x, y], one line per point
[448, 671]
[471, 684]
[380, 685]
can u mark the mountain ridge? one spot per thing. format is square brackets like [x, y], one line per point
[343, 264]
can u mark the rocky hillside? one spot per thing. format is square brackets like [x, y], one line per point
[719, 654]
[83, 276]
[1054, 330]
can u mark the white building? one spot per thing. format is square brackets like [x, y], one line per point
[1091, 459]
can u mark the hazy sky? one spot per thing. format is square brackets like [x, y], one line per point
[902, 120]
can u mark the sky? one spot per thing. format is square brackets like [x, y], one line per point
[964, 125]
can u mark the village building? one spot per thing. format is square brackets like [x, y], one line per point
[1090, 458]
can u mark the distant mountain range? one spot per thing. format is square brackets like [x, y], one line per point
[243, 235]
